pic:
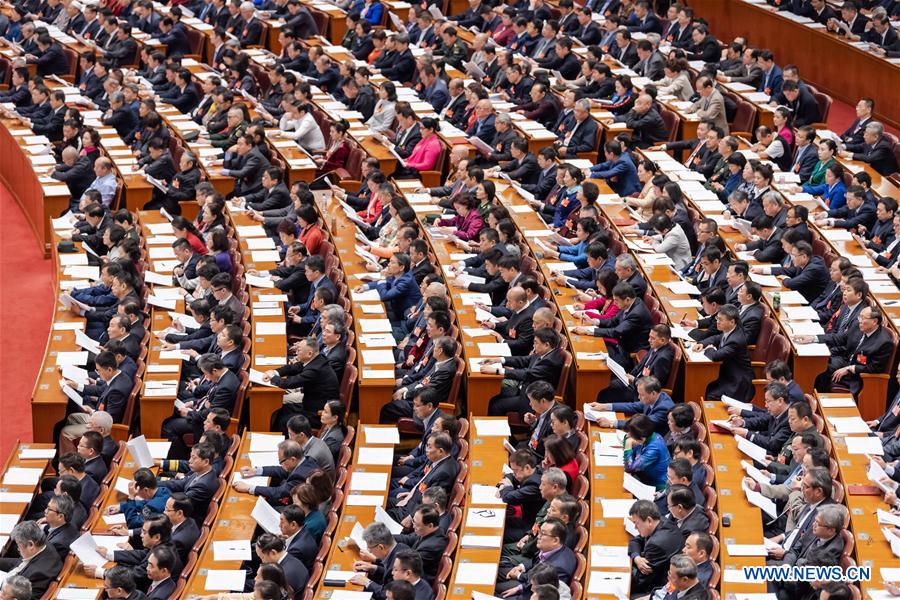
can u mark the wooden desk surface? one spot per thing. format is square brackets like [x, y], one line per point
[14, 461]
[233, 522]
[871, 549]
[746, 519]
[342, 555]
[486, 459]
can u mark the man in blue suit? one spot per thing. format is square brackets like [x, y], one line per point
[772, 79]
[435, 91]
[618, 170]
[399, 290]
[652, 401]
[293, 469]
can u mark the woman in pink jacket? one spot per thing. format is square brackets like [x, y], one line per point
[601, 306]
[467, 223]
[425, 155]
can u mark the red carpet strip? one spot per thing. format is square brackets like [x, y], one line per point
[26, 304]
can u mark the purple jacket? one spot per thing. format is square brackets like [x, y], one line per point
[468, 227]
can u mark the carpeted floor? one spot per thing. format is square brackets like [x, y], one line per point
[26, 302]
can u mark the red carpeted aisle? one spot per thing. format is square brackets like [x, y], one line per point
[26, 302]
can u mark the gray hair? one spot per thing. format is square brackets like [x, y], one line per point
[236, 111]
[833, 516]
[247, 6]
[28, 532]
[654, 39]
[555, 476]
[774, 197]
[18, 587]
[290, 449]
[64, 506]
[875, 127]
[378, 533]
[821, 479]
[684, 566]
[584, 104]
[335, 312]
[626, 262]
[103, 420]
[117, 98]
[504, 118]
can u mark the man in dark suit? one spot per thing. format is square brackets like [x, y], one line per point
[425, 411]
[408, 134]
[521, 489]
[39, 562]
[544, 364]
[59, 529]
[18, 92]
[156, 531]
[730, 348]
[630, 327]
[300, 542]
[681, 506]
[657, 542]
[684, 581]
[581, 137]
[805, 157]
[174, 38]
[51, 125]
[313, 379]
[656, 362]
[439, 375]
[161, 564]
[857, 212]
[183, 95]
[427, 539]
[766, 249]
[274, 193]
[381, 553]
[546, 159]
[202, 482]
[888, 422]
[801, 101]
[222, 393]
[403, 68]
[119, 116]
[769, 429]
[271, 549]
[247, 167]
[552, 551]
[185, 531]
[866, 349]
[808, 275]
[816, 488]
[89, 447]
[50, 59]
[293, 468]
[123, 49]
[647, 126]
[853, 136]
[750, 310]
[876, 150]
[523, 167]
[440, 471]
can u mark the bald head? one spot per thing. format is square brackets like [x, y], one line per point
[70, 155]
[436, 289]
[643, 103]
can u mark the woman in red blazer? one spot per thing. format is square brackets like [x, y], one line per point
[338, 150]
[559, 453]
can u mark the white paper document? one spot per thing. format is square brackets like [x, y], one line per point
[639, 490]
[376, 456]
[140, 451]
[231, 550]
[267, 517]
[362, 481]
[22, 476]
[221, 580]
[486, 495]
[492, 427]
[476, 573]
[616, 508]
[848, 425]
[381, 435]
[864, 445]
[485, 518]
[482, 541]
